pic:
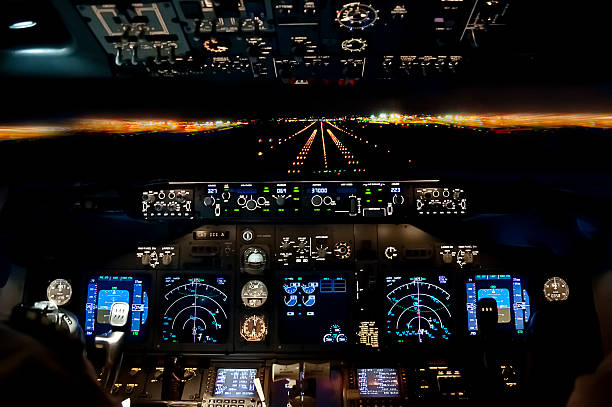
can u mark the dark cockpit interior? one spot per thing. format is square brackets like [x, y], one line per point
[291, 203]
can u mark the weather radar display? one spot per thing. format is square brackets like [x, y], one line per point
[418, 309]
[194, 309]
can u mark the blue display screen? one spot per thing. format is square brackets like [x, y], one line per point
[513, 307]
[314, 309]
[117, 302]
[235, 383]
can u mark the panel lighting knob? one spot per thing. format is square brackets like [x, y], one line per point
[166, 259]
[316, 200]
[447, 258]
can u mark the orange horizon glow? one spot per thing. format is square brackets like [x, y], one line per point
[497, 121]
[483, 121]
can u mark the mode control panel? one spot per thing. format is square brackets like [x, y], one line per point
[392, 200]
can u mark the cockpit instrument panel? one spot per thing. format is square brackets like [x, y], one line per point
[195, 309]
[314, 309]
[418, 308]
[117, 302]
[378, 383]
[513, 307]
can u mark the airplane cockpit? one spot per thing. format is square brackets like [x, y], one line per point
[293, 203]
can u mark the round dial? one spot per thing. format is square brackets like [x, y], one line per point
[253, 328]
[357, 16]
[354, 45]
[556, 289]
[254, 259]
[342, 250]
[59, 291]
[254, 294]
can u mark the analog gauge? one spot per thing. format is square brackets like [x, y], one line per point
[214, 46]
[59, 291]
[354, 45]
[253, 328]
[556, 289]
[254, 294]
[342, 250]
[357, 16]
[254, 259]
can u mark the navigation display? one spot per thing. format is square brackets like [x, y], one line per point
[418, 308]
[314, 309]
[513, 308]
[235, 383]
[117, 302]
[195, 309]
[380, 383]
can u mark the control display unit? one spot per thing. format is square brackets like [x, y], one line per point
[418, 308]
[314, 309]
[378, 383]
[513, 308]
[117, 302]
[194, 309]
[235, 383]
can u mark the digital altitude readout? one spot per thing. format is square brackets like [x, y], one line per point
[379, 383]
[116, 301]
[513, 308]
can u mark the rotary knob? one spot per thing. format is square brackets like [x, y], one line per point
[447, 258]
[166, 259]
[280, 201]
[316, 200]
[158, 207]
[321, 252]
[209, 201]
[251, 204]
[398, 199]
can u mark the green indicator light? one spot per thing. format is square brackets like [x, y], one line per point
[368, 200]
[266, 210]
[296, 199]
[296, 209]
[299, 278]
[281, 210]
[368, 193]
[317, 210]
[379, 189]
[236, 210]
[380, 200]
[225, 209]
